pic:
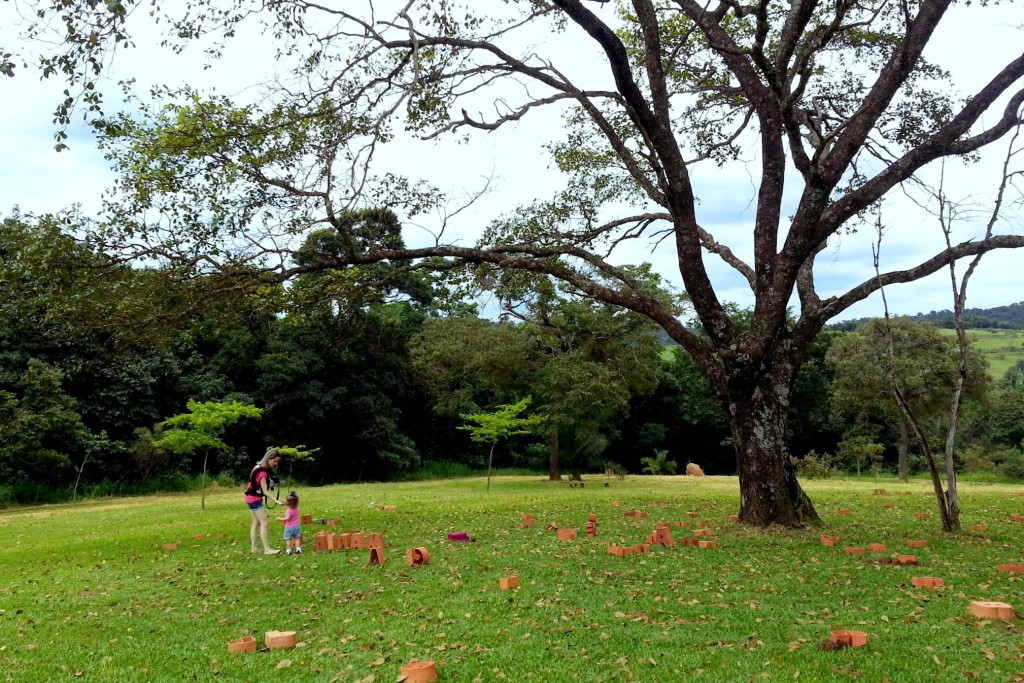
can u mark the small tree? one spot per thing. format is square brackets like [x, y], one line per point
[295, 453]
[858, 452]
[502, 423]
[201, 427]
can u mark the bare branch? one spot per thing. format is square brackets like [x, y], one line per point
[834, 305]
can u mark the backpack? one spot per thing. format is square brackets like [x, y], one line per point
[253, 487]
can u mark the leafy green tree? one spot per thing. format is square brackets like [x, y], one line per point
[856, 452]
[201, 429]
[467, 364]
[591, 359]
[344, 384]
[999, 424]
[681, 415]
[503, 423]
[581, 446]
[690, 87]
[147, 456]
[1014, 377]
[580, 360]
[40, 428]
[926, 365]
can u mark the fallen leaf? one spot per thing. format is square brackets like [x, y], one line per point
[938, 661]
[284, 664]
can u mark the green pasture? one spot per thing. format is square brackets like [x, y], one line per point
[89, 594]
[1002, 348]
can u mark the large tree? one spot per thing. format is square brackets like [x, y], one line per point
[834, 102]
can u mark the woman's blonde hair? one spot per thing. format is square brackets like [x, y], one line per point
[271, 453]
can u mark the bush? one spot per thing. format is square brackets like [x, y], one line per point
[614, 469]
[857, 453]
[977, 459]
[536, 456]
[659, 464]
[31, 493]
[815, 466]
[1013, 464]
[432, 469]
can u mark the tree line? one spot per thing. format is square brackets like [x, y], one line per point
[95, 356]
[1009, 317]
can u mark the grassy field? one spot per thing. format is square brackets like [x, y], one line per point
[1002, 348]
[89, 594]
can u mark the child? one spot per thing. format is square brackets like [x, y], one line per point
[292, 530]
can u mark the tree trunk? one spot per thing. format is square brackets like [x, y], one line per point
[202, 504]
[490, 459]
[769, 491]
[554, 458]
[902, 468]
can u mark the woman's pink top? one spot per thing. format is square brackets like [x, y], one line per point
[260, 479]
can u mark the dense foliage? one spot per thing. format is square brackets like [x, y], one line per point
[376, 382]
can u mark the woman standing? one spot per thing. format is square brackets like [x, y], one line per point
[261, 487]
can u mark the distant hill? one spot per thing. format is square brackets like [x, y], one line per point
[1000, 318]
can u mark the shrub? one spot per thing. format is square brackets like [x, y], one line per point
[978, 459]
[436, 470]
[859, 452]
[614, 469]
[1013, 464]
[815, 466]
[536, 455]
[659, 464]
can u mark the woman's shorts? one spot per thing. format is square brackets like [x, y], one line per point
[255, 506]
[291, 532]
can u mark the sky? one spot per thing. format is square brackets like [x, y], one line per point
[37, 179]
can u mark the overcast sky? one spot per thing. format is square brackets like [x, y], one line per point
[37, 179]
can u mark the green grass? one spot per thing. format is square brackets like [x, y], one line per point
[1002, 348]
[88, 593]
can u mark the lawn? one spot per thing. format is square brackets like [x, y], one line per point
[90, 594]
